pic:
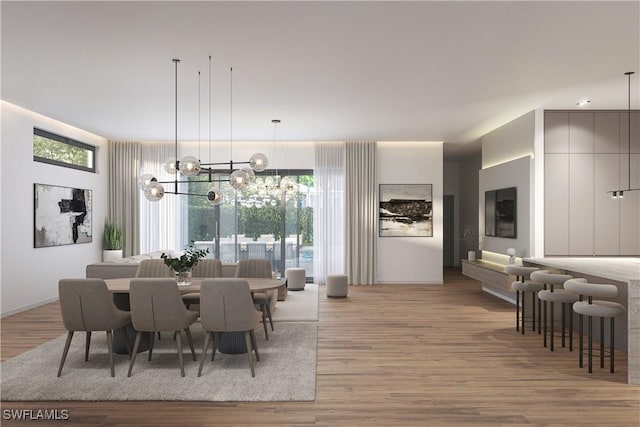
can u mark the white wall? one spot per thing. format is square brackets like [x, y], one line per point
[411, 259]
[451, 187]
[29, 276]
[516, 173]
[510, 141]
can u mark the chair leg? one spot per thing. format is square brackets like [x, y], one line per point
[247, 340]
[65, 351]
[533, 311]
[207, 338]
[87, 345]
[110, 348]
[539, 317]
[216, 338]
[136, 344]
[180, 356]
[564, 309]
[522, 313]
[590, 344]
[264, 322]
[190, 340]
[570, 329]
[152, 336]
[255, 345]
[552, 323]
[159, 337]
[269, 315]
[544, 322]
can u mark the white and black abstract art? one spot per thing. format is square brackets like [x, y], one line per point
[62, 216]
[406, 210]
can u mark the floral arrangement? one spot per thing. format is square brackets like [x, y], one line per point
[186, 261]
[469, 238]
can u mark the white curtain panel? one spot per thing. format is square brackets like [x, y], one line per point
[159, 221]
[328, 212]
[361, 212]
[122, 205]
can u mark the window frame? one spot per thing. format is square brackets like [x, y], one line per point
[69, 141]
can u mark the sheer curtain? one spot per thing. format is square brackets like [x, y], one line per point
[122, 205]
[361, 212]
[159, 221]
[328, 213]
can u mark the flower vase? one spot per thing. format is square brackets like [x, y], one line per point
[183, 277]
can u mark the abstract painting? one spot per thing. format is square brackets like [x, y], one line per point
[406, 210]
[62, 215]
[500, 216]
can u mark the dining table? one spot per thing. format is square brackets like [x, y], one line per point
[230, 342]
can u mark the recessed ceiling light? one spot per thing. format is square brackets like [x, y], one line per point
[583, 102]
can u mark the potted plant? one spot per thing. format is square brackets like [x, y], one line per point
[469, 242]
[112, 242]
[183, 265]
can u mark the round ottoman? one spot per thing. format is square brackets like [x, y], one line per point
[295, 278]
[337, 285]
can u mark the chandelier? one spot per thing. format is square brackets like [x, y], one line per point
[620, 193]
[154, 190]
[267, 191]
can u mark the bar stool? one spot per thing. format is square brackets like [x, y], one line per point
[522, 285]
[553, 296]
[596, 308]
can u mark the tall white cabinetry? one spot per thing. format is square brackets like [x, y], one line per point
[586, 154]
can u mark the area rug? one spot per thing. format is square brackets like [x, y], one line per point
[286, 371]
[299, 306]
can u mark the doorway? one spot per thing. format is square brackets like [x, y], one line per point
[448, 231]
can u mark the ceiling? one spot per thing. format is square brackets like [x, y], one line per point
[385, 71]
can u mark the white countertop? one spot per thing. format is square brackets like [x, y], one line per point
[619, 269]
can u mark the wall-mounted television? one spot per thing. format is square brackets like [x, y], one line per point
[500, 213]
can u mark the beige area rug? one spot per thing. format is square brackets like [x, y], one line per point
[286, 371]
[299, 306]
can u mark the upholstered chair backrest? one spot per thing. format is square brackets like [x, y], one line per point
[258, 268]
[226, 305]
[156, 305]
[153, 268]
[86, 305]
[208, 268]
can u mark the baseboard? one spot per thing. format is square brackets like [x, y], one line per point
[28, 307]
[409, 283]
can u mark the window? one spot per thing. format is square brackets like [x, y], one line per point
[62, 151]
[252, 225]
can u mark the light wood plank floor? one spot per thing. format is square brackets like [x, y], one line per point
[391, 355]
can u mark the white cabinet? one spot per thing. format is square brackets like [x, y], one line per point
[556, 204]
[606, 209]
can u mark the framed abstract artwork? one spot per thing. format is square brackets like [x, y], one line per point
[406, 210]
[500, 213]
[62, 215]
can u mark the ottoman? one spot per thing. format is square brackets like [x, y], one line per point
[337, 285]
[295, 278]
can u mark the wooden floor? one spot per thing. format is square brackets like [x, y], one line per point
[391, 355]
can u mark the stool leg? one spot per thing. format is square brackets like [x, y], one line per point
[563, 319]
[602, 342]
[517, 310]
[580, 343]
[544, 322]
[590, 344]
[570, 329]
[533, 311]
[539, 317]
[552, 324]
[522, 313]
[612, 343]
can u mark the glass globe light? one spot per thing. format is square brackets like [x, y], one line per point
[145, 180]
[258, 162]
[215, 196]
[170, 166]
[251, 175]
[238, 179]
[154, 192]
[190, 166]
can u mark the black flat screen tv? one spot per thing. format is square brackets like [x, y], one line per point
[500, 213]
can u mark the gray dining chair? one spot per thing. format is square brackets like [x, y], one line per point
[156, 306]
[207, 268]
[154, 268]
[87, 305]
[227, 306]
[259, 268]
